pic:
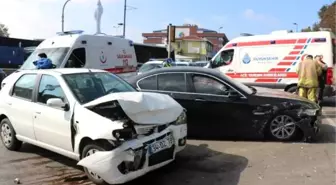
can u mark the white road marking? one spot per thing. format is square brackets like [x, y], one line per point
[330, 121]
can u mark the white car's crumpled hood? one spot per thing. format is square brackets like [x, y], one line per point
[144, 107]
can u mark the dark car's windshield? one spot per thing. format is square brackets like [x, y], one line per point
[56, 55]
[90, 86]
[148, 67]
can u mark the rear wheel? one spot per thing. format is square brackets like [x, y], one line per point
[88, 150]
[8, 136]
[282, 128]
[292, 89]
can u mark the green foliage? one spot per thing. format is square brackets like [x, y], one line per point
[3, 31]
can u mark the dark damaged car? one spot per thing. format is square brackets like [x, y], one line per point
[218, 106]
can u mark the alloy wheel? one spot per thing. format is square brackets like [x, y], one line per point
[282, 127]
[6, 134]
[93, 174]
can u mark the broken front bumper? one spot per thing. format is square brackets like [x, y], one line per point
[137, 157]
[310, 126]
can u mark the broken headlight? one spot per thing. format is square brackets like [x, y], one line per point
[182, 119]
[309, 112]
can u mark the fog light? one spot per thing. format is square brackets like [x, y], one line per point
[182, 141]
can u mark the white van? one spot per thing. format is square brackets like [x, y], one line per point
[270, 60]
[78, 50]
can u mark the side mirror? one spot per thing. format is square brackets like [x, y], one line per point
[57, 103]
[234, 96]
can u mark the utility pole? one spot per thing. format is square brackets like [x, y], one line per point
[169, 40]
[66, 2]
[124, 27]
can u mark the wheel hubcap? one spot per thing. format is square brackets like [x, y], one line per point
[6, 134]
[282, 127]
[92, 174]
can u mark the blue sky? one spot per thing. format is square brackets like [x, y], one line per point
[42, 18]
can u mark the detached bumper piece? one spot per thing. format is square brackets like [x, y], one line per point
[138, 162]
[141, 154]
[311, 126]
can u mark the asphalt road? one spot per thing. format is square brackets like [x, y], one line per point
[202, 162]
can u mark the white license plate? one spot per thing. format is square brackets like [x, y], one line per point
[162, 144]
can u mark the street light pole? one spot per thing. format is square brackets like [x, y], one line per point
[66, 2]
[220, 29]
[124, 24]
[296, 26]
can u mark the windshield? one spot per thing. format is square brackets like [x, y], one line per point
[242, 86]
[56, 55]
[90, 86]
[148, 67]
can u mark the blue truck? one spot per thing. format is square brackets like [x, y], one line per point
[14, 51]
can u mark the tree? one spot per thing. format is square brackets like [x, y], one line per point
[4, 30]
[328, 19]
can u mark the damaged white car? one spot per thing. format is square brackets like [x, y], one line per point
[116, 133]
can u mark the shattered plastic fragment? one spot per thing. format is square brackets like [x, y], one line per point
[17, 181]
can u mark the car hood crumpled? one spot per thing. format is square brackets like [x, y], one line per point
[143, 107]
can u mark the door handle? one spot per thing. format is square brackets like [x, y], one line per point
[38, 112]
[199, 99]
[9, 103]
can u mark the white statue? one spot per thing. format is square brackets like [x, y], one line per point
[98, 15]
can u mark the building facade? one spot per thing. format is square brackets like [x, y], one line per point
[187, 30]
[194, 47]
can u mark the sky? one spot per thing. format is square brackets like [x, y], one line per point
[38, 19]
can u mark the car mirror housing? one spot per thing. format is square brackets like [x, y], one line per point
[57, 103]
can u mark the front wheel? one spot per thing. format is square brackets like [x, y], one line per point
[282, 128]
[87, 151]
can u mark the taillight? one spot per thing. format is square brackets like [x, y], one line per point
[330, 76]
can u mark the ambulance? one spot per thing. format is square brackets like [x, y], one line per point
[76, 50]
[271, 60]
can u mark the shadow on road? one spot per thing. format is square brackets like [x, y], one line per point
[195, 165]
[327, 134]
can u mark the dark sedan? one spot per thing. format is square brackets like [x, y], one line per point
[218, 106]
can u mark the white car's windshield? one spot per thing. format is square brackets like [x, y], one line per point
[90, 86]
[56, 55]
[148, 67]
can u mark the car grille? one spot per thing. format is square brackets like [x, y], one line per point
[148, 130]
[161, 156]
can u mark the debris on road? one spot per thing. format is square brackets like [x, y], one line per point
[17, 181]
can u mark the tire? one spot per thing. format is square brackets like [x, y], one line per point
[278, 125]
[292, 89]
[95, 147]
[8, 136]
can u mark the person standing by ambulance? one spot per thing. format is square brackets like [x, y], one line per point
[308, 71]
[322, 77]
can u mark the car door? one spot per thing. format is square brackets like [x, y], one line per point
[219, 115]
[18, 105]
[52, 125]
[170, 83]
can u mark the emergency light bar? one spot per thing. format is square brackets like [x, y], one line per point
[320, 40]
[70, 32]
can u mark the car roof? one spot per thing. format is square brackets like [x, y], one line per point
[61, 71]
[184, 69]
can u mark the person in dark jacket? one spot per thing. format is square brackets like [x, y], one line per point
[323, 77]
[44, 62]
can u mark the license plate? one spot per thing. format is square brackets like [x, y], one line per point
[162, 144]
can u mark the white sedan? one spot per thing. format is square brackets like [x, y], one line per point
[116, 133]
